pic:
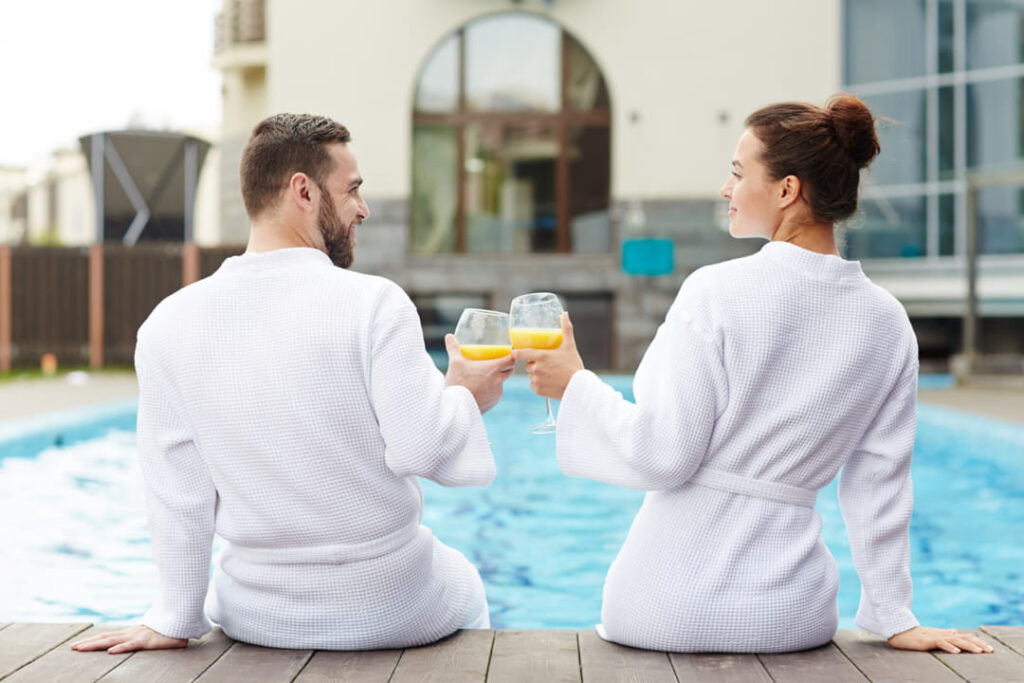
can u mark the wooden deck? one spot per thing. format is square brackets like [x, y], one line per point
[41, 652]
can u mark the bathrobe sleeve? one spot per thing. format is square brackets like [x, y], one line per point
[660, 441]
[429, 430]
[876, 498]
[181, 502]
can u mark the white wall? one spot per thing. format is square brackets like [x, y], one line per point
[244, 101]
[39, 220]
[12, 183]
[76, 207]
[207, 206]
[678, 65]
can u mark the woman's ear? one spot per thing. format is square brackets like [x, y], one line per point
[788, 191]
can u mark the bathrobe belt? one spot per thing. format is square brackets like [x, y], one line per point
[758, 488]
[335, 553]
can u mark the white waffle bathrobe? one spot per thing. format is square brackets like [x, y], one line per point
[770, 375]
[288, 405]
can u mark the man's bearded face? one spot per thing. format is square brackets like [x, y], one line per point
[337, 236]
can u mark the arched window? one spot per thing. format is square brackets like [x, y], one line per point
[511, 142]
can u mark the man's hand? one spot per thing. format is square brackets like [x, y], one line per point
[129, 640]
[948, 639]
[550, 371]
[483, 378]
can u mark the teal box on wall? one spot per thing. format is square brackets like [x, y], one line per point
[648, 256]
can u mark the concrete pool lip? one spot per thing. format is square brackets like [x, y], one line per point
[27, 437]
[42, 405]
[998, 404]
[25, 398]
[22, 399]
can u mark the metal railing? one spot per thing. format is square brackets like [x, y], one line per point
[243, 22]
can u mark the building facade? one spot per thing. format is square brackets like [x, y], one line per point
[578, 146]
[517, 146]
[950, 76]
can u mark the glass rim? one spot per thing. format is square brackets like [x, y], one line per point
[486, 311]
[537, 294]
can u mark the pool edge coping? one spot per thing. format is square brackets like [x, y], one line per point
[19, 428]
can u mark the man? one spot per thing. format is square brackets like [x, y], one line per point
[289, 405]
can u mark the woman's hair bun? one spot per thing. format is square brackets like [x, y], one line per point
[854, 126]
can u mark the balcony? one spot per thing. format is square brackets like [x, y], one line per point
[240, 35]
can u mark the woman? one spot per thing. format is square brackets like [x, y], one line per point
[770, 375]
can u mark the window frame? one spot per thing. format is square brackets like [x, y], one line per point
[937, 182]
[561, 121]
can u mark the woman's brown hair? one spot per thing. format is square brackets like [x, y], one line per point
[824, 147]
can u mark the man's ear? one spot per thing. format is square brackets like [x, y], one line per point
[301, 191]
[789, 191]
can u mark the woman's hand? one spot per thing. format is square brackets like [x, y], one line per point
[129, 640]
[550, 371]
[948, 639]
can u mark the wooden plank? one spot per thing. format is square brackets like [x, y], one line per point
[882, 663]
[96, 313]
[1010, 636]
[528, 656]
[604, 662]
[50, 306]
[64, 664]
[825, 663]
[252, 663]
[135, 280]
[165, 666]
[720, 668]
[22, 643]
[1002, 665]
[211, 258]
[459, 658]
[372, 666]
[5, 309]
[189, 264]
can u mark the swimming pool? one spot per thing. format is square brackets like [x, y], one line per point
[76, 543]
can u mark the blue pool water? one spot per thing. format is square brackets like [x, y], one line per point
[542, 541]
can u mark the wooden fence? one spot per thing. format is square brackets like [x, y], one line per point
[84, 304]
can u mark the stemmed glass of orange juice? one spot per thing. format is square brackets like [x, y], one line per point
[483, 334]
[535, 321]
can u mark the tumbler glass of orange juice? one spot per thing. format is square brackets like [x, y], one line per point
[536, 324]
[483, 334]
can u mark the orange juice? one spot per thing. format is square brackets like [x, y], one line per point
[535, 338]
[485, 351]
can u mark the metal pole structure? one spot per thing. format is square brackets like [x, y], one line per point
[970, 324]
[96, 152]
[189, 263]
[977, 180]
[96, 306]
[191, 179]
[190, 252]
[131, 235]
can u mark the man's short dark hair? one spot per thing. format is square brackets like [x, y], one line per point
[280, 146]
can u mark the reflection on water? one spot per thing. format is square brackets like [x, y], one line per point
[76, 545]
[74, 535]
